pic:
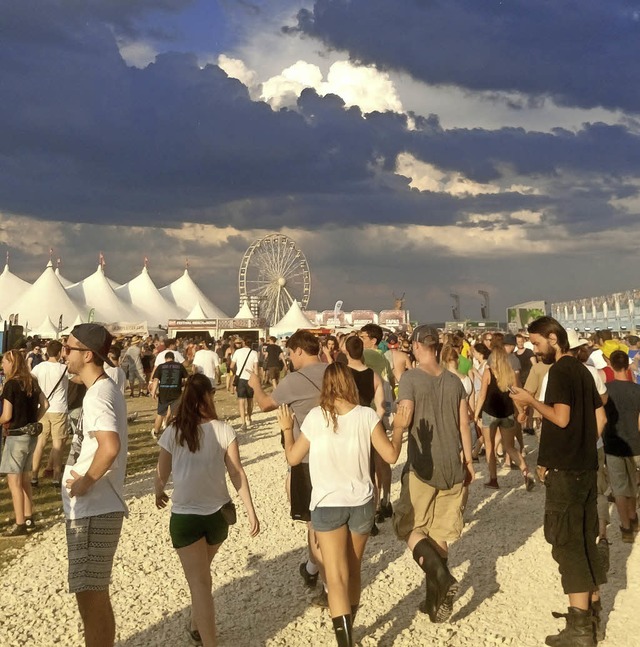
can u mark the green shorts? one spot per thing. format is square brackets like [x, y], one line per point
[187, 529]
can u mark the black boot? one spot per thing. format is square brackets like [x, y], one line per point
[354, 610]
[441, 585]
[577, 633]
[342, 627]
[598, 627]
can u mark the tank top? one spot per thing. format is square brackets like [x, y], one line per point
[365, 385]
[497, 403]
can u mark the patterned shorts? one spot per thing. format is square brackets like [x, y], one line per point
[92, 543]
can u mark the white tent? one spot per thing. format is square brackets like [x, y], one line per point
[244, 312]
[292, 321]
[199, 313]
[45, 298]
[186, 294]
[12, 287]
[142, 293]
[65, 282]
[47, 330]
[95, 292]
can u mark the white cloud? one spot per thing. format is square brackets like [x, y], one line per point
[137, 53]
[236, 69]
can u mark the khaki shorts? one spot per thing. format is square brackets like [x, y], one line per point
[622, 475]
[433, 512]
[54, 425]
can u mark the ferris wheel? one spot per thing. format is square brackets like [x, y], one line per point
[274, 272]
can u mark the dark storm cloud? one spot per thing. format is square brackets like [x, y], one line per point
[579, 52]
[86, 138]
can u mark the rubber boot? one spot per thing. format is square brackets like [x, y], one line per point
[342, 626]
[598, 627]
[441, 585]
[578, 632]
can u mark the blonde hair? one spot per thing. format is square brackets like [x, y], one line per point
[448, 354]
[337, 383]
[19, 371]
[504, 374]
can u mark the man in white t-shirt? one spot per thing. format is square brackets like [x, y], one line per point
[53, 381]
[207, 362]
[93, 480]
[244, 362]
[170, 345]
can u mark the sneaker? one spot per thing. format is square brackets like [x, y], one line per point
[154, 434]
[321, 600]
[310, 581]
[35, 482]
[243, 427]
[529, 431]
[380, 518]
[30, 525]
[492, 484]
[375, 531]
[627, 534]
[387, 510]
[634, 524]
[20, 529]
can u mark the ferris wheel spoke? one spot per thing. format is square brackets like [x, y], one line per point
[290, 265]
[288, 254]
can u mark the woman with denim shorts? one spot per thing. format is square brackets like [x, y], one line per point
[338, 436]
[199, 449]
[495, 412]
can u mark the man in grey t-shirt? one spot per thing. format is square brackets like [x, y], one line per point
[429, 513]
[301, 391]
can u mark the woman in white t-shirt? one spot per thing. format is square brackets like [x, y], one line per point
[197, 447]
[338, 436]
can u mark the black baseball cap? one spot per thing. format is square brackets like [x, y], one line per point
[96, 338]
[425, 334]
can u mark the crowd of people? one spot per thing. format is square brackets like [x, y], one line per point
[345, 404]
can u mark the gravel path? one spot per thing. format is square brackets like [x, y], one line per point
[509, 583]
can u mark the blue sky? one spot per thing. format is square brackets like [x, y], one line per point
[407, 146]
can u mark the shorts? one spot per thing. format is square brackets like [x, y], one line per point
[135, 376]
[489, 421]
[17, 454]
[54, 424]
[163, 407]
[571, 527]
[358, 518]
[243, 390]
[623, 475]
[273, 372]
[187, 529]
[91, 544]
[300, 492]
[433, 512]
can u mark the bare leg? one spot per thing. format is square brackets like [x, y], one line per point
[97, 617]
[315, 554]
[489, 437]
[37, 453]
[196, 563]
[355, 550]
[14, 481]
[333, 546]
[242, 409]
[249, 409]
[57, 450]
[27, 494]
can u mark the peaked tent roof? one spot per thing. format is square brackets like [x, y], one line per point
[11, 288]
[47, 329]
[144, 295]
[186, 294]
[65, 282]
[294, 320]
[198, 313]
[96, 292]
[45, 298]
[244, 312]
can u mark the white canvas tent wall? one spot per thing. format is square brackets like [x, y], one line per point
[65, 282]
[142, 293]
[12, 288]
[186, 294]
[96, 292]
[292, 321]
[244, 312]
[46, 298]
[46, 330]
[199, 313]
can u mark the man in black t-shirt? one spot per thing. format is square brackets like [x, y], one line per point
[274, 361]
[168, 380]
[573, 418]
